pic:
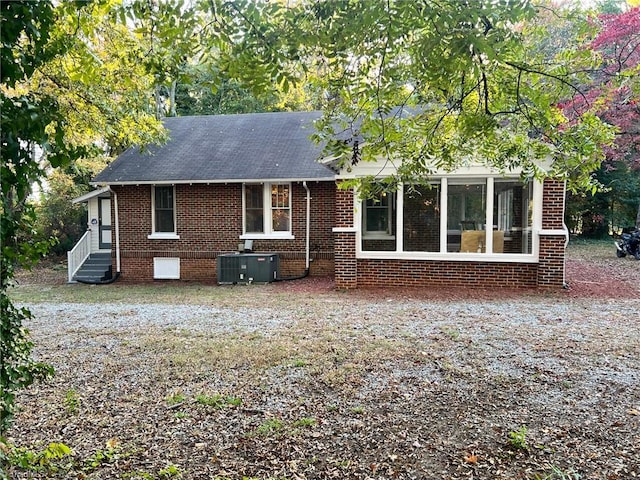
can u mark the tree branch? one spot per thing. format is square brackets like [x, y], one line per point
[548, 75]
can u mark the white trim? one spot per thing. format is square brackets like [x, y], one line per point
[307, 229]
[344, 229]
[267, 213]
[557, 232]
[117, 218]
[488, 219]
[266, 236]
[88, 196]
[399, 218]
[163, 236]
[454, 256]
[444, 220]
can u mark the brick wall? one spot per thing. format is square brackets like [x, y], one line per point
[553, 205]
[552, 247]
[209, 222]
[432, 273]
[551, 263]
[346, 265]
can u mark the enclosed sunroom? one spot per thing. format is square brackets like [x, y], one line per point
[470, 227]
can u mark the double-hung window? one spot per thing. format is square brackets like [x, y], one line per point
[379, 215]
[267, 210]
[379, 222]
[163, 207]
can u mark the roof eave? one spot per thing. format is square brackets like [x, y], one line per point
[210, 182]
[88, 196]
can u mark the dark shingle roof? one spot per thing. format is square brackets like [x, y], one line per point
[215, 148]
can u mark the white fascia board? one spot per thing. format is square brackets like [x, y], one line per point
[88, 196]
[464, 172]
[384, 168]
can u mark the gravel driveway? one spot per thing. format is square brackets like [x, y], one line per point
[339, 385]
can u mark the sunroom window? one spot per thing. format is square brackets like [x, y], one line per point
[466, 215]
[452, 216]
[421, 218]
[513, 215]
[379, 222]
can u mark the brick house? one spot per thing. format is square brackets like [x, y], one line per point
[221, 181]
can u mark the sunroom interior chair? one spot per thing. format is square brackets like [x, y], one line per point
[474, 241]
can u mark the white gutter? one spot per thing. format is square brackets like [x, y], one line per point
[117, 218]
[308, 226]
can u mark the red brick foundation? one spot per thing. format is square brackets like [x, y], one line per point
[431, 273]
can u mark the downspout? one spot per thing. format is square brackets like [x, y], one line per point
[308, 226]
[307, 236]
[566, 238]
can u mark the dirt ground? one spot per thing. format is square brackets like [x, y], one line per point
[298, 381]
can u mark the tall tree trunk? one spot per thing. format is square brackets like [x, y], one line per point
[172, 99]
[159, 107]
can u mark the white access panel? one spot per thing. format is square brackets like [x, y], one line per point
[166, 268]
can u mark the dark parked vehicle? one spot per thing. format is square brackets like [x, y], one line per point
[628, 244]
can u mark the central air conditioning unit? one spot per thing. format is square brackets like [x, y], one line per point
[247, 268]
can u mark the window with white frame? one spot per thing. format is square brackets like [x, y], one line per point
[513, 214]
[379, 222]
[267, 209]
[421, 218]
[453, 215]
[280, 208]
[378, 215]
[466, 215]
[164, 210]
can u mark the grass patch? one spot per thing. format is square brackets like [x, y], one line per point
[518, 439]
[555, 473]
[305, 422]
[218, 401]
[270, 427]
[71, 402]
[176, 398]
[173, 293]
[591, 250]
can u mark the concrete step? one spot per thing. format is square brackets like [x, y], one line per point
[97, 268]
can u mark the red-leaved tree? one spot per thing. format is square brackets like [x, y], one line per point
[613, 93]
